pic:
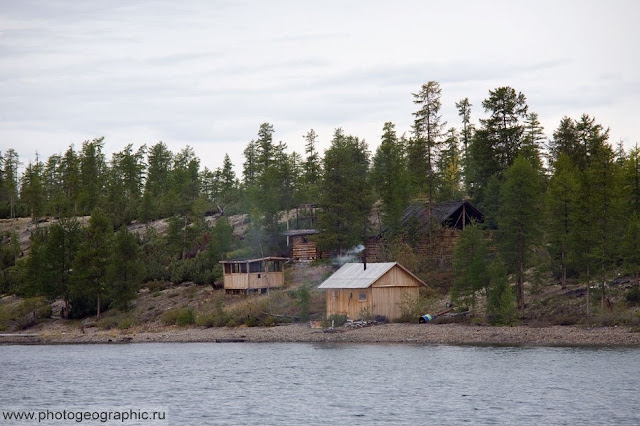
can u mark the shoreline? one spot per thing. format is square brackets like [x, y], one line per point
[448, 334]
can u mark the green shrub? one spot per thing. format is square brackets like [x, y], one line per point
[186, 316]
[501, 305]
[206, 319]
[120, 320]
[411, 308]
[633, 296]
[156, 285]
[336, 320]
[270, 321]
[127, 323]
[179, 316]
[217, 318]
[107, 323]
[25, 314]
[231, 322]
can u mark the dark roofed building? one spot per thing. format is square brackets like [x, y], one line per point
[433, 232]
[451, 214]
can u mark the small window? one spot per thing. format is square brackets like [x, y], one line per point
[362, 297]
[259, 275]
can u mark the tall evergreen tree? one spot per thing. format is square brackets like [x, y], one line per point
[565, 141]
[427, 138]
[32, 190]
[390, 178]
[562, 209]
[631, 247]
[185, 182]
[532, 140]
[250, 168]
[464, 111]
[265, 148]
[470, 266]
[519, 220]
[125, 181]
[631, 181]
[501, 308]
[70, 171]
[62, 247]
[312, 167]
[450, 169]
[92, 174]
[10, 180]
[125, 270]
[601, 176]
[54, 187]
[228, 187]
[345, 193]
[92, 260]
[499, 140]
[158, 183]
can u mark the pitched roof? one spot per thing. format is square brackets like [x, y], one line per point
[296, 232]
[353, 275]
[444, 213]
[260, 259]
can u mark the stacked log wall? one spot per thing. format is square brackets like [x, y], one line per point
[437, 249]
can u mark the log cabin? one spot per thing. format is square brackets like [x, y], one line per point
[432, 232]
[359, 290]
[303, 249]
[247, 276]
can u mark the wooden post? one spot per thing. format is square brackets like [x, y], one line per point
[464, 215]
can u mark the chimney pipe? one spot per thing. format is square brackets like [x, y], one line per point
[364, 257]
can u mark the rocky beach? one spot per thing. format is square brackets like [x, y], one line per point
[451, 334]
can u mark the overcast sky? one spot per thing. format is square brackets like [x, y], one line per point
[207, 74]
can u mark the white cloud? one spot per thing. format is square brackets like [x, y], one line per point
[206, 74]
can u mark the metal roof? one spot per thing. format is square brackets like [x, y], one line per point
[253, 260]
[296, 232]
[353, 275]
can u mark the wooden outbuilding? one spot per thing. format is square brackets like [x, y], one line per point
[302, 247]
[433, 232]
[358, 289]
[246, 276]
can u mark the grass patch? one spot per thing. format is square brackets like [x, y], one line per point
[335, 320]
[179, 316]
[119, 320]
[23, 314]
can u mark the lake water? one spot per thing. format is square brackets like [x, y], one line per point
[352, 384]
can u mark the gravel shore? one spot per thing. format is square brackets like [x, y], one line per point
[456, 334]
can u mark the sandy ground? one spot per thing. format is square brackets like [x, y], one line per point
[457, 334]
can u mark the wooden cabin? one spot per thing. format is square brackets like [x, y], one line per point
[302, 248]
[247, 276]
[357, 289]
[432, 232]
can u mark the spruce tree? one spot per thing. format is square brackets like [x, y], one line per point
[125, 270]
[470, 266]
[450, 169]
[346, 196]
[390, 178]
[427, 138]
[519, 221]
[92, 260]
[562, 207]
[312, 168]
